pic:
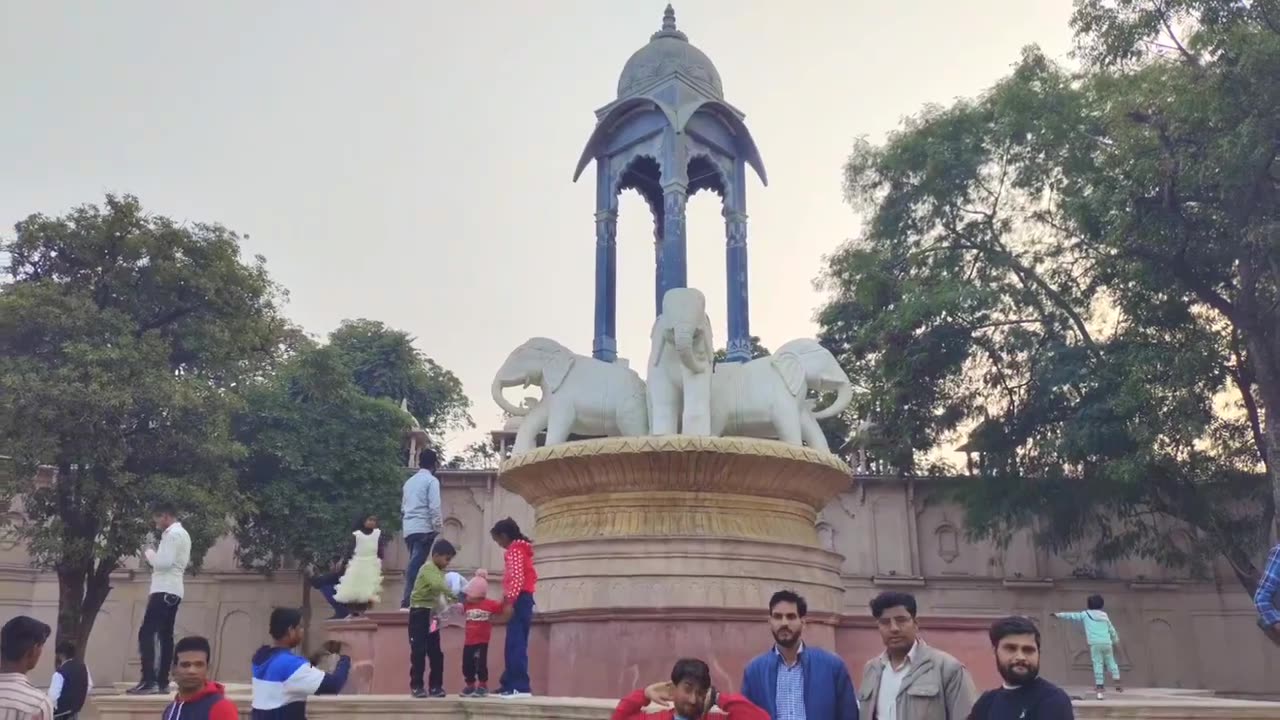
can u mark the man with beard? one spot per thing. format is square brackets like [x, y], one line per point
[793, 681]
[688, 696]
[1025, 695]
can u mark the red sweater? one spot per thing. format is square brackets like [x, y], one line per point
[207, 703]
[518, 574]
[480, 620]
[735, 707]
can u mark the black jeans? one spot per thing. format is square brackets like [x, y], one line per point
[424, 644]
[157, 625]
[475, 663]
[418, 544]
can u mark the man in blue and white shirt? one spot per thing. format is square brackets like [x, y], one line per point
[420, 518]
[168, 565]
[283, 680]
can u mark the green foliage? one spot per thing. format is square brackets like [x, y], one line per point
[387, 365]
[122, 339]
[1077, 273]
[322, 454]
[757, 350]
[479, 455]
[324, 438]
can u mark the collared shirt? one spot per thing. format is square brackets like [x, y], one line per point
[420, 511]
[790, 689]
[891, 684]
[1268, 586]
[170, 561]
[20, 700]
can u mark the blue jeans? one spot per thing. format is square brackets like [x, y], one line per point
[516, 675]
[419, 544]
[329, 590]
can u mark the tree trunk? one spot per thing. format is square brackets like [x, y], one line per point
[82, 591]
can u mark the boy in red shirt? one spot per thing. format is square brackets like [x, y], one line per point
[480, 611]
[688, 695]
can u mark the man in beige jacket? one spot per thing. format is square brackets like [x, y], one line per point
[910, 680]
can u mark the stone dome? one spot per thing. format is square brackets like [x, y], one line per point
[668, 51]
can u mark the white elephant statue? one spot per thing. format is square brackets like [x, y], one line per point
[680, 364]
[580, 395]
[768, 397]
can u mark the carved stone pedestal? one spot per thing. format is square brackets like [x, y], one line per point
[678, 522]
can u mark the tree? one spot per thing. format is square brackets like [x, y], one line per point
[324, 439]
[757, 350]
[386, 364]
[321, 455]
[123, 338]
[479, 455]
[1077, 272]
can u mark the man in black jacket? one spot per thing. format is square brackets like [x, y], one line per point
[1025, 695]
[71, 683]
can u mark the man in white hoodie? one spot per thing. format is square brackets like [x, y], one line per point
[168, 565]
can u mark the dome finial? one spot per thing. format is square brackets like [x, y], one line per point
[669, 26]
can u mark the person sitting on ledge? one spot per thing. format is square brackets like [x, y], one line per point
[687, 696]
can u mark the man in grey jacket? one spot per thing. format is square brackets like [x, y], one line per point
[910, 680]
[421, 518]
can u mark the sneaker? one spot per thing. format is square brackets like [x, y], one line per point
[1119, 689]
[1100, 695]
[514, 694]
[468, 691]
[144, 688]
[418, 692]
[437, 693]
[481, 691]
[404, 609]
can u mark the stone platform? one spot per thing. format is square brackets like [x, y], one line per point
[1136, 704]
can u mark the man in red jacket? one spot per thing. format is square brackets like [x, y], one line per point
[198, 698]
[688, 696]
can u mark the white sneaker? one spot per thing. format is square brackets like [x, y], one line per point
[514, 695]
[1100, 695]
[404, 609]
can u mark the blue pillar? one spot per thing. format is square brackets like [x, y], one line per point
[735, 228]
[674, 258]
[657, 266]
[605, 345]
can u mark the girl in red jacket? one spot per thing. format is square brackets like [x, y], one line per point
[519, 580]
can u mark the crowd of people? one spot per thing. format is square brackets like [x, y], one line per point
[792, 680]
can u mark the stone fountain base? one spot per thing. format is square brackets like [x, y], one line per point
[649, 549]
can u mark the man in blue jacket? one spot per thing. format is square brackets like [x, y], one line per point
[792, 681]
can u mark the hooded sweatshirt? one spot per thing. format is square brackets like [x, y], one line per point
[207, 703]
[1098, 629]
[734, 707]
[518, 575]
[282, 682]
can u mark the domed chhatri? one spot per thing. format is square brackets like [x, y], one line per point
[669, 51]
[669, 135]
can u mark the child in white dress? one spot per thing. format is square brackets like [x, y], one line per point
[361, 584]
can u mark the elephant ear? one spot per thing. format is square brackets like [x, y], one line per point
[708, 349]
[557, 369]
[656, 342]
[790, 368]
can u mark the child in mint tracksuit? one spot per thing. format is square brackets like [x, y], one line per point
[1102, 638]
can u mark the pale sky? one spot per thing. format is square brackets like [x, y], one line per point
[411, 161]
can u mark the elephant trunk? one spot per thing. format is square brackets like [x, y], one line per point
[503, 402]
[843, 398]
[684, 345]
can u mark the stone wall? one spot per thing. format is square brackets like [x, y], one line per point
[1176, 632]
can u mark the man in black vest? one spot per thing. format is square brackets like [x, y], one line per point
[71, 683]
